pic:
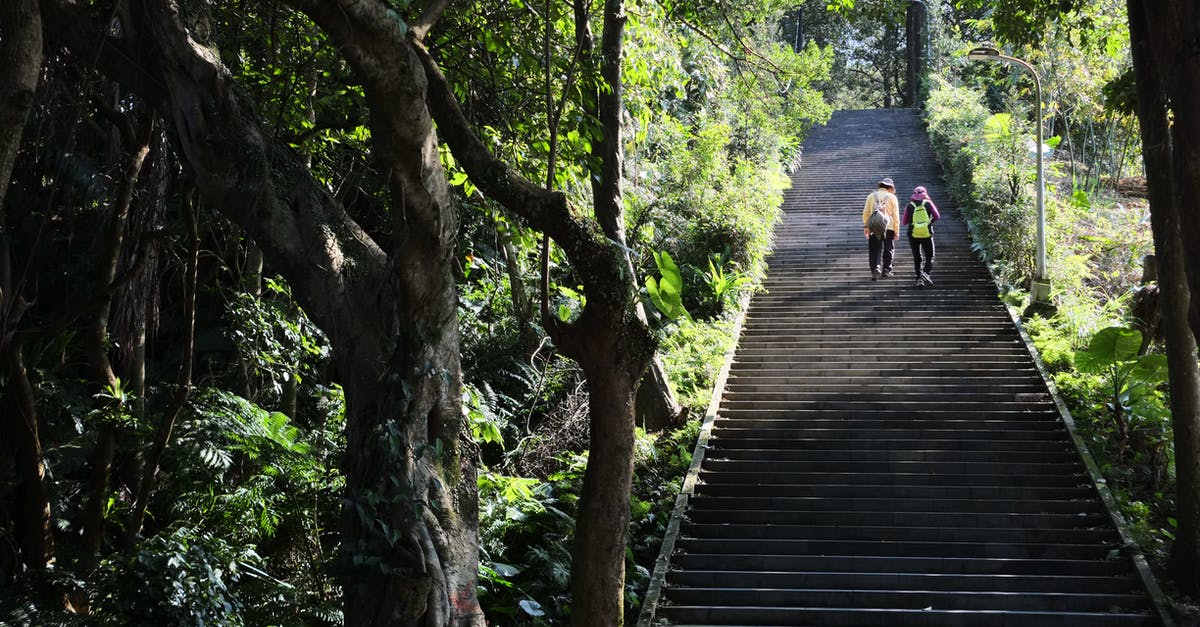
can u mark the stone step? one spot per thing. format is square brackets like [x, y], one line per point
[687, 616]
[1078, 602]
[1115, 584]
[737, 476]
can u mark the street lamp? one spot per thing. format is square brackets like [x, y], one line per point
[1039, 289]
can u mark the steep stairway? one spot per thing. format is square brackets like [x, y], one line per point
[886, 456]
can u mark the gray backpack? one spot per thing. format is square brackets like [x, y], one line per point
[879, 221]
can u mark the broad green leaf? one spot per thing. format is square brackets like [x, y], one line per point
[1151, 369]
[1109, 347]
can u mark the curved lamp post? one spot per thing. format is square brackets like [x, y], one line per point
[1039, 290]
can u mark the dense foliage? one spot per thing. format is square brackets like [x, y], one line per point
[241, 526]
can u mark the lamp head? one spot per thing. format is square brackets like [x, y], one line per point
[983, 53]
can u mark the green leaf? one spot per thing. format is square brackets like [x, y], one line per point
[1151, 369]
[998, 127]
[1109, 347]
[667, 292]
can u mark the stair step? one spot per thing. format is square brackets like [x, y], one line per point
[819, 504]
[996, 567]
[755, 439]
[907, 467]
[741, 475]
[898, 534]
[878, 548]
[914, 599]
[685, 616]
[833, 490]
[1114, 584]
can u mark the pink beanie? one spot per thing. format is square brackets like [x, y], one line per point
[919, 193]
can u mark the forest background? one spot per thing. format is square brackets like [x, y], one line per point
[213, 236]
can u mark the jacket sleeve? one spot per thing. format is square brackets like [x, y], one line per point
[868, 207]
[935, 215]
[894, 209]
[907, 219]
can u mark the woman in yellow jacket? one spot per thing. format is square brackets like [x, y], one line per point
[881, 232]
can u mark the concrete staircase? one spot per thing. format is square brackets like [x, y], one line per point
[885, 455]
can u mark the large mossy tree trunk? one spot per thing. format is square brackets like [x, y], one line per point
[1170, 137]
[20, 65]
[409, 524]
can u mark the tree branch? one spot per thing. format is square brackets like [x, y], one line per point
[545, 210]
[428, 19]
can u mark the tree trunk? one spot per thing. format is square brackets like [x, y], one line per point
[612, 344]
[656, 406]
[32, 522]
[409, 524]
[912, 51]
[20, 65]
[523, 309]
[1176, 44]
[602, 524]
[96, 338]
[162, 435]
[1152, 40]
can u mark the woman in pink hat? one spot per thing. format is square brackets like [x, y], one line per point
[919, 216]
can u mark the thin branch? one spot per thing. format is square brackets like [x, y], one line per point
[163, 435]
[752, 58]
[546, 210]
[741, 42]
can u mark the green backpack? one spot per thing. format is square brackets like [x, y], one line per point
[920, 221]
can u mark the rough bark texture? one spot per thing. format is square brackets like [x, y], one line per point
[602, 523]
[425, 400]
[32, 522]
[409, 526]
[1155, 34]
[20, 64]
[1175, 25]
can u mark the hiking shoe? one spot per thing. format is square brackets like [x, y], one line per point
[926, 279]
[920, 284]
[874, 275]
[888, 274]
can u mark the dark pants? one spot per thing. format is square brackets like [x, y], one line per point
[886, 247]
[921, 245]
